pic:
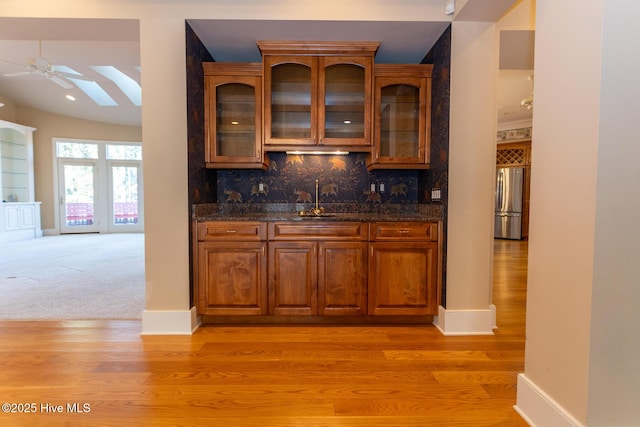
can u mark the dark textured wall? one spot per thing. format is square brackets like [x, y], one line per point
[342, 179]
[201, 182]
[438, 175]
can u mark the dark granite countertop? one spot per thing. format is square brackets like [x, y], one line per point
[341, 212]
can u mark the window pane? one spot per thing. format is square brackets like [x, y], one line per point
[77, 150]
[124, 152]
[78, 194]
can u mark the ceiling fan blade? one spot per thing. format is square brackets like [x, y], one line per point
[21, 73]
[57, 80]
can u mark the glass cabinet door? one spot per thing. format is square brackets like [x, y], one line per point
[400, 121]
[290, 100]
[345, 98]
[234, 119]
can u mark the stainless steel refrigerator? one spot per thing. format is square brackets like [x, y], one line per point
[509, 188]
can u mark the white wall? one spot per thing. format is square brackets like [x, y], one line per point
[614, 377]
[474, 70]
[564, 150]
[583, 296]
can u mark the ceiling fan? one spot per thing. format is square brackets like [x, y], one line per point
[42, 67]
[525, 103]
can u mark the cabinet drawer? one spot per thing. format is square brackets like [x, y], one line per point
[318, 230]
[232, 230]
[404, 231]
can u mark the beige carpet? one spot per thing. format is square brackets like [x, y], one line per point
[73, 276]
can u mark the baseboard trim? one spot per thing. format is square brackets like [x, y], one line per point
[169, 322]
[466, 322]
[537, 408]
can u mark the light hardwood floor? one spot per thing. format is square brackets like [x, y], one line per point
[269, 375]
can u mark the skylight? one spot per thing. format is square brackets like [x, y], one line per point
[95, 92]
[127, 85]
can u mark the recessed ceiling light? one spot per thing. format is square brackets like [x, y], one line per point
[70, 97]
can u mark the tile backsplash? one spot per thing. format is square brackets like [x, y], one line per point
[341, 179]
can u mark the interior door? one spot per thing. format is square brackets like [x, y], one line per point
[78, 196]
[125, 196]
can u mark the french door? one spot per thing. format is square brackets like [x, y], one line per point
[99, 187]
[124, 196]
[78, 196]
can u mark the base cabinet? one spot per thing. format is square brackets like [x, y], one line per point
[402, 278]
[19, 221]
[231, 269]
[232, 278]
[403, 268]
[317, 269]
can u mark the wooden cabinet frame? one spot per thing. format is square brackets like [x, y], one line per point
[219, 74]
[418, 76]
[318, 56]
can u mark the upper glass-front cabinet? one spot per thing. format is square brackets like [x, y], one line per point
[345, 113]
[402, 117]
[291, 100]
[233, 111]
[318, 95]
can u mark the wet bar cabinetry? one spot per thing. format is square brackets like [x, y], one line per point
[317, 268]
[231, 268]
[403, 269]
[317, 95]
[314, 270]
[402, 122]
[233, 115]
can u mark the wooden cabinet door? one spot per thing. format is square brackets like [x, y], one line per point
[402, 116]
[345, 100]
[232, 278]
[342, 278]
[403, 278]
[233, 115]
[290, 100]
[293, 278]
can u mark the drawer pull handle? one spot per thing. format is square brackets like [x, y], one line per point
[403, 231]
[232, 231]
